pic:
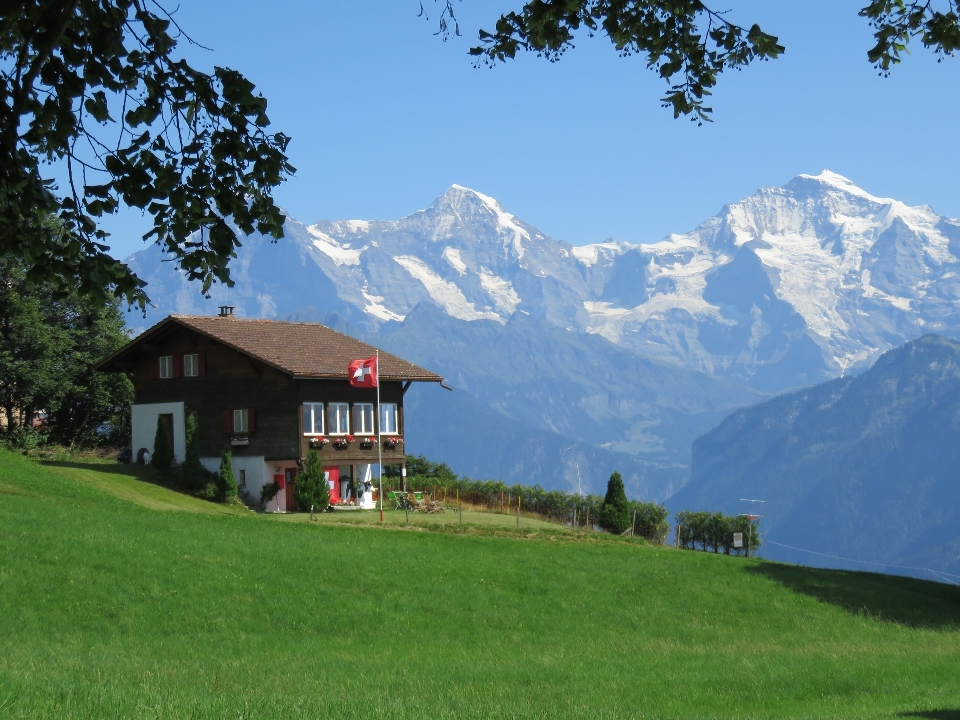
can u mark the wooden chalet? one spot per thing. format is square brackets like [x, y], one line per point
[270, 390]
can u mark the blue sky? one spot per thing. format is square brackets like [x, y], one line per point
[385, 116]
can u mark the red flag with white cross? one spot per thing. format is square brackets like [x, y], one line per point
[363, 373]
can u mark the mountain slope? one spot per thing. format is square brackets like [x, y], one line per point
[788, 287]
[863, 467]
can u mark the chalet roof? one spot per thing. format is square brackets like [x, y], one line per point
[306, 350]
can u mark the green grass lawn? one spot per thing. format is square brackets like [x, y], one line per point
[120, 598]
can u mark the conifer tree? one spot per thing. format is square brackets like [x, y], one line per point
[226, 481]
[192, 468]
[311, 488]
[615, 511]
[162, 456]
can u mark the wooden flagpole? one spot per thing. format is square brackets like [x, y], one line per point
[379, 437]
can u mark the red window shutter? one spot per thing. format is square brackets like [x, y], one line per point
[228, 421]
[201, 364]
[153, 371]
[252, 419]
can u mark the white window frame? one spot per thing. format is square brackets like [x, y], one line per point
[386, 417]
[360, 416]
[241, 421]
[316, 411]
[191, 365]
[342, 410]
[165, 369]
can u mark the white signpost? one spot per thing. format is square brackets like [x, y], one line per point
[738, 540]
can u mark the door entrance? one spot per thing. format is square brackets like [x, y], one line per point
[291, 475]
[332, 474]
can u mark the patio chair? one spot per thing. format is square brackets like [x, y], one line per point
[396, 498]
[433, 506]
[417, 505]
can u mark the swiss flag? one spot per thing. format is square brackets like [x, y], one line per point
[363, 373]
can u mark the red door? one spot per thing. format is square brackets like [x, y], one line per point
[332, 474]
[291, 474]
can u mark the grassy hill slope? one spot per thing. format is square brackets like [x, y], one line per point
[118, 606]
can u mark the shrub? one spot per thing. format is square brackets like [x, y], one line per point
[650, 521]
[615, 512]
[311, 488]
[226, 480]
[267, 493]
[162, 456]
[193, 471]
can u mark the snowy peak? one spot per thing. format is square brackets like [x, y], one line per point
[785, 287]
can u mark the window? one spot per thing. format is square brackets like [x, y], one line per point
[166, 366]
[243, 478]
[388, 418]
[363, 419]
[338, 418]
[313, 418]
[241, 421]
[191, 365]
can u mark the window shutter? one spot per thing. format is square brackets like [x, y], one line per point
[201, 364]
[178, 366]
[228, 421]
[251, 420]
[154, 369]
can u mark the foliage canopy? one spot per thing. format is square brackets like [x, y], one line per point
[689, 44]
[94, 86]
[48, 348]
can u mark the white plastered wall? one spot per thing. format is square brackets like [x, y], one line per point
[143, 419]
[257, 473]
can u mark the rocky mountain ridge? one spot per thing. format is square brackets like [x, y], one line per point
[788, 287]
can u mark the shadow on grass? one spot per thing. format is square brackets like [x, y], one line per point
[892, 598]
[932, 714]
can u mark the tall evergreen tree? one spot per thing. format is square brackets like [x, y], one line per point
[162, 456]
[192, 468]
[311, 488]
[226, 480]
[615, 511]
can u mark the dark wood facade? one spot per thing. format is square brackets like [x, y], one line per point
[234, 380]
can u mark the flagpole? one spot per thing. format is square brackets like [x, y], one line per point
[379, 437]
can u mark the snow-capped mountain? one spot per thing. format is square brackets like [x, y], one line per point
[788, 287]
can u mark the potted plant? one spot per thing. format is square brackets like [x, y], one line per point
[367, 442]
[392, 442]
[342, 443]
[318, 443]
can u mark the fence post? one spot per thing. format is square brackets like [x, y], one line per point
[518, 511]
[459, 508]
[633, 525]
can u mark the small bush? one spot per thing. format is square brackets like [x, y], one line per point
[267, 493]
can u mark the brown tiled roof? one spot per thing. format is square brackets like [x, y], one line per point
[300, 349]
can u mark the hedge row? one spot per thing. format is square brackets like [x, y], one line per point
[557, 505]
[714, 531]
